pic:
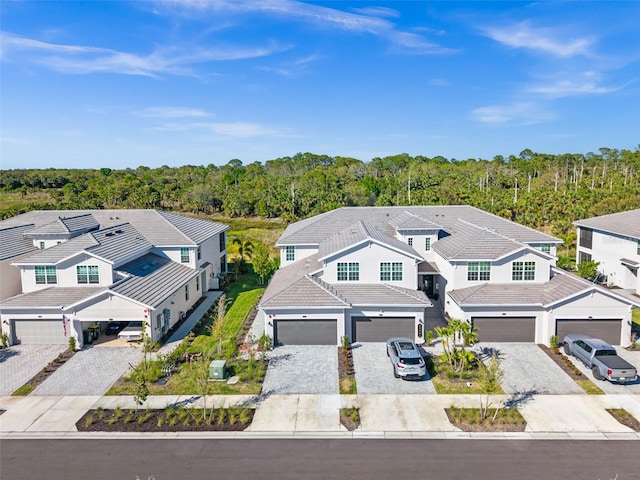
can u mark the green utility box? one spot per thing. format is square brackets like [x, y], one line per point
[217, 369]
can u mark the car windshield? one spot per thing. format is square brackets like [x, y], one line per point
[135, 324]
[411, 361]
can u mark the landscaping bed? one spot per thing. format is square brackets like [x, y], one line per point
[625, 418]
[350, 418]
[234, 419]
[447, 381]
[346, 371]
[570, 369]
[45, 373]
[470, 420]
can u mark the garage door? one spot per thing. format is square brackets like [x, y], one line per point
[39, 332]
[505, 329]
[374, 329]
[306, 332]
[604, 329]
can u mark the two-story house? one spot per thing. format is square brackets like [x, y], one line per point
[614, 242]
[370, 273]
[72, 269]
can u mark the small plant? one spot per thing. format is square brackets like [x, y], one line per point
[117, 413]
[345, 342]
[233, 415]
[160, 422]
[128, 419]
[112, 420]
[553, 342]
[72, 344]
[221, 416]
[265, 342]
[4, 340]
[244, 416]
[88, 421]
[100, 413]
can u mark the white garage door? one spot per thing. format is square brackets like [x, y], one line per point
[48, 332]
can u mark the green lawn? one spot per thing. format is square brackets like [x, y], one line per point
[635, 316]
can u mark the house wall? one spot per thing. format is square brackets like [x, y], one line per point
[369, 257]
[608, 249]
[67, 275]
[10, 278]
[302, 251]
[419, 241]
[49, 241]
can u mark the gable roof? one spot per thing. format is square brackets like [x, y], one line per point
[359, 233]
[66, 225]
[13, 242]
[470, 242]
[51, 297]
[314, 230]
[409, 221]
[113, 244]
[626, 223]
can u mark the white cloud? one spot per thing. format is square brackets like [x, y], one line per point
[239, 129]
[171, 112]
[522, 35]
[77, 59]
[567, 88]
[519, 113]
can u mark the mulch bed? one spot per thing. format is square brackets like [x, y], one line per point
[564, 363]
[47, 371]
[151, 423]
[626, 419]
[500, 425]
[346, 370]
[347, 422]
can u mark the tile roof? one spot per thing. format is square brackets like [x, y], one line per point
[470, 242]
[13, 243]
[428, 267]
[52, 297]
[159, 228]
[381, 294]
[314, 230]
[626, 223]
[152, 279]
[357, 233]
[305, 292]
[284, 277]
[67, 225]
[409, 221]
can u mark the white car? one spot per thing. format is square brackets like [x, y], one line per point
[132, 332]
[406, 358]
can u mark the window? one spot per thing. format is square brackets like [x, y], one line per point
[410, 241]
[87, 274]
[545, 247]
[391, 271]
[159, 321]
[638, 251]
[348, 272]
[586, 237]
[186, 292]
[479, 271]
[523, 271]
[427, 244]
[41, 245]
[184, 255]
[46, 275]
[584, 257]
[290, 253]
[198, 283]
[223, 242]
[199, 253]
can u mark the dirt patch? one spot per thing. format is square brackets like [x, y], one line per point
[625, 418]
[182, 420]
[346, 371]
[469, 420]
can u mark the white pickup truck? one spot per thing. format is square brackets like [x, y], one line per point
[132, 332]
[600, 357]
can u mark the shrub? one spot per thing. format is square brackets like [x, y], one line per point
[553, 342]
[4, 340]
[88, 421]
[72, 344]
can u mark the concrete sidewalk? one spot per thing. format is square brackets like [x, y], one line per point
[387, 416]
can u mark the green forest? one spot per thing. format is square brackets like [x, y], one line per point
[543, 191]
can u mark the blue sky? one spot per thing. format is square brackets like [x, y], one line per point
[123, 84]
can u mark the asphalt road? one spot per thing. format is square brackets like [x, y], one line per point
[310, 459]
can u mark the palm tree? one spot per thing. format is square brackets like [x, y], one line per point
[245, 247]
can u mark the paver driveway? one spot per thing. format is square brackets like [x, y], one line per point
[19, 363]
[374, 372]
[302, 369]
[91, 371]
[529, 370]
[631, 356]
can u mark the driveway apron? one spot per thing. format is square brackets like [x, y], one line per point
[308, 369]
[374, 373]
[91, 371]
[528, 370]
[19, 363]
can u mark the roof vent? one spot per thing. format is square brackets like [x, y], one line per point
[109, 234]
[119, 231]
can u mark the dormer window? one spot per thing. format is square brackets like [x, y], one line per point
[546, 248]
[46, 275]
[290, 253]
[410, 241]
[184, 255]
[41, 245]
[427, 244]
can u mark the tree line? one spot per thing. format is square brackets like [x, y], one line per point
[543, 191]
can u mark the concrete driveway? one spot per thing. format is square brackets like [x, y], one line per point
[631, 356]
[302, 369]
[19, 363]
[374, 373]
[529, 370]
[91, 371]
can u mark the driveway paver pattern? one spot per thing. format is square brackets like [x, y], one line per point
[19, 363]
[374, 373]
[302, 370]
[91, 371]
[529, 370]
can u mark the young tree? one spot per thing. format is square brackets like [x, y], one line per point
[588, 270]
[490, 377]
[263, 264]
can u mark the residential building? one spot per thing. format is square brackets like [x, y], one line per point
[63, 271]
[369, 273]
[614, 242]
